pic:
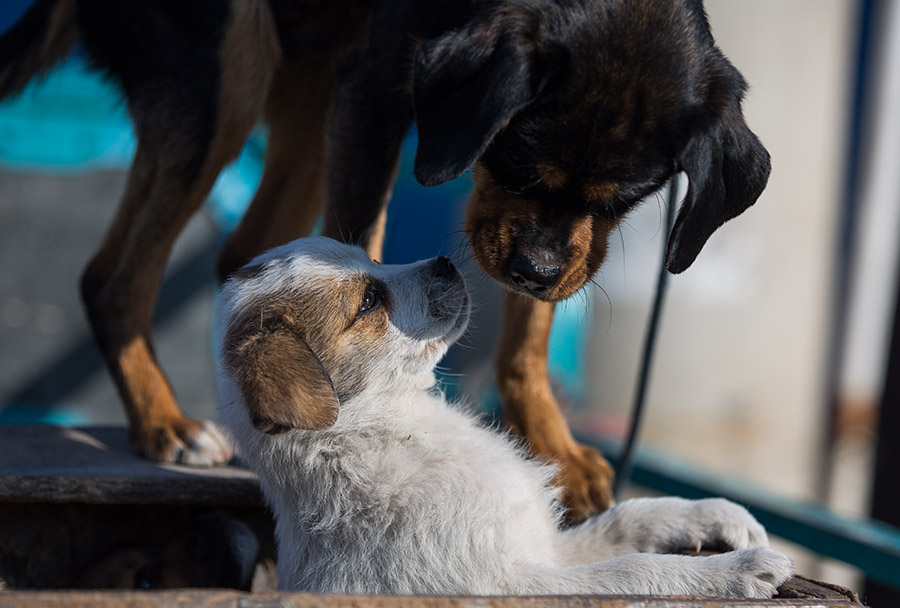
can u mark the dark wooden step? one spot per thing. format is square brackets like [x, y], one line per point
[99, 466]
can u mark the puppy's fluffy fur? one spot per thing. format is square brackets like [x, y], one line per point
[378, 485]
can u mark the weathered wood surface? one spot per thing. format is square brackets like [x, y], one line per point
[234, 599]
[99, 466]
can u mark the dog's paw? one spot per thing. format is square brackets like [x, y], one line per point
[754, 573]
[721, 524]
[197, 443]
[676, 525]
[587, 480]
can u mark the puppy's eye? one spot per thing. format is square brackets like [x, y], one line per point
[371, 299]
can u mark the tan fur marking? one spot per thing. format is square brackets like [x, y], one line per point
[314, 346]
[600, 191]
[375, 244]
[283, 382]
[551, 175]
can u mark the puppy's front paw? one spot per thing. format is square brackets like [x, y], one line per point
[197, 443]
[677, 525]
[755, 573]
[721, 524]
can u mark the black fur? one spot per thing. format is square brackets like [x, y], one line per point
[165, 56]
[625, 91]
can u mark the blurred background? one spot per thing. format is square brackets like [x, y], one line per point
[772, 357]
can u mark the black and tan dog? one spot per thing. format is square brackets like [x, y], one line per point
[570, 111]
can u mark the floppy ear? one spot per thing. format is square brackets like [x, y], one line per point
[727, 169]
[467, 85]
[283, 382]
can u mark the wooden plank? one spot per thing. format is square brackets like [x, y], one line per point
[98, 466]
[236, 599]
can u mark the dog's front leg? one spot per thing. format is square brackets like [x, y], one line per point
[292, 192]
[371, 115]
[532, 411]
[181, 152]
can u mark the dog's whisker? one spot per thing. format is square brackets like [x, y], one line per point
[608, 302]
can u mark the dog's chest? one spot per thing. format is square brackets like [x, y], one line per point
[451, 451]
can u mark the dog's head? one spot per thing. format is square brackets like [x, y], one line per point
[312, 324]
[572, 112]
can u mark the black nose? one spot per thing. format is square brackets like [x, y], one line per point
[534, 277]
[443, 268]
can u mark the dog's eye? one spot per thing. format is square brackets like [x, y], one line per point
[371, 299]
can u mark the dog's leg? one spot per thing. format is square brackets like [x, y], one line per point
[119, 290]
[292, 192]
[532, 411]
[372, 114]
[171, 176]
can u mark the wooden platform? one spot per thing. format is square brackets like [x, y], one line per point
[98, 466]
[72, 498]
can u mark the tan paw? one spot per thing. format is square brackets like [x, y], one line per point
[587, 481]
[197, 443]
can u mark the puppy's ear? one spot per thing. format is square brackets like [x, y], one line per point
[283, 382]
[727, 169]
[467, 85]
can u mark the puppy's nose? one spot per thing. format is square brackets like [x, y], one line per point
[443, 268]
[534, 277]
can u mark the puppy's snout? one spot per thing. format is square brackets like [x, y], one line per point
[528, 273]
[443, 268]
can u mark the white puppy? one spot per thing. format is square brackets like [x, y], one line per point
[378, 485]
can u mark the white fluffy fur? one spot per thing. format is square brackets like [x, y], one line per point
[408, 494]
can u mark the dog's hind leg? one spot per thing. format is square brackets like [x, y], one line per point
[531, 410]
[172, 174]
[292, 191]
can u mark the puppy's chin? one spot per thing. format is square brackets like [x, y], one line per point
[461, 322]
[436, 349]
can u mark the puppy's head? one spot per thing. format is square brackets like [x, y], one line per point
[573, 112]
[308, 326]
